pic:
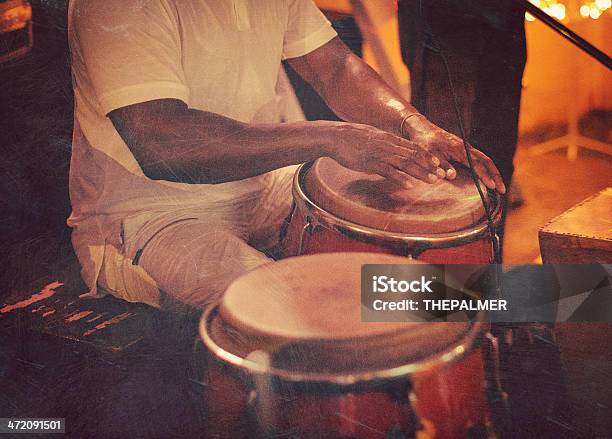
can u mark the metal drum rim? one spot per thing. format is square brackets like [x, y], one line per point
[370, 234]
[467, 344]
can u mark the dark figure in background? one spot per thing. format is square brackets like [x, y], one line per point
[484, 45]
[485, 48]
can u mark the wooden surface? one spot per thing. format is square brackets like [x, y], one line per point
[54, 308]
[111, 368]
[582, 234]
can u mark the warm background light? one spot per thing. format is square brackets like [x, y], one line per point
[554, 67]
[558, 73]
[587, 9]
[551, 7]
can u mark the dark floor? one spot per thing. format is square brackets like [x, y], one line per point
[129, 379]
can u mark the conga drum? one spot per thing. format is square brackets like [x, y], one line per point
[291, 358]
[340, 210]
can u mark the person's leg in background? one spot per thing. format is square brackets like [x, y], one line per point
[461, 41]
[495, 111]
[486, 64]
[485, 61]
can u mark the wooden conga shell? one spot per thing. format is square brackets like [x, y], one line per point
[329, 374]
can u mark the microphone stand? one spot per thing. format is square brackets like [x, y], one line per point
[567, 33]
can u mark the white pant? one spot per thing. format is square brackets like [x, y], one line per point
[189, 255]
[192, 256]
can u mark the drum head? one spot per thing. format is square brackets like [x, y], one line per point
[313, 305]
[370, 200]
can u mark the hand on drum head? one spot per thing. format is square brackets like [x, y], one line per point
[367, 149]
[448, 147]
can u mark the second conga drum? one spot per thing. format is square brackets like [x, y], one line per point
[290, 357]
[338, 210]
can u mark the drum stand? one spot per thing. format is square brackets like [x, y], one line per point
[573, 140]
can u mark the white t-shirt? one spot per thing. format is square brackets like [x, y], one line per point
[221, 56]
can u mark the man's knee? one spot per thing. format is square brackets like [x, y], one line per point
[196, 264]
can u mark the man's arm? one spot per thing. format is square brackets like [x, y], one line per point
[173, 142]
[356, 93]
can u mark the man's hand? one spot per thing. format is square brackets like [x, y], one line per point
[448, 147]
[356, 93]
[374, 151]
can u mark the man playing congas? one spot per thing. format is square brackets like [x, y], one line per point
[177, 181]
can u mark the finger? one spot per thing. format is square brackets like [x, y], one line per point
[494, 173]
[449, 170]
[418, 160]
[449, 147]
[392, 174]
[411, 166]
[484, 167]
[395, 175]
[499, 184]
[487, 168]
[416, 155]
[429, 162]
[483, 173]
[423, 157]
[415, 171]
[455, 148]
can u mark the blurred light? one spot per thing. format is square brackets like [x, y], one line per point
[14, 15]
[557, 10]
[585, 10]
[595, 13]
[551, 7]
[15, 29]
